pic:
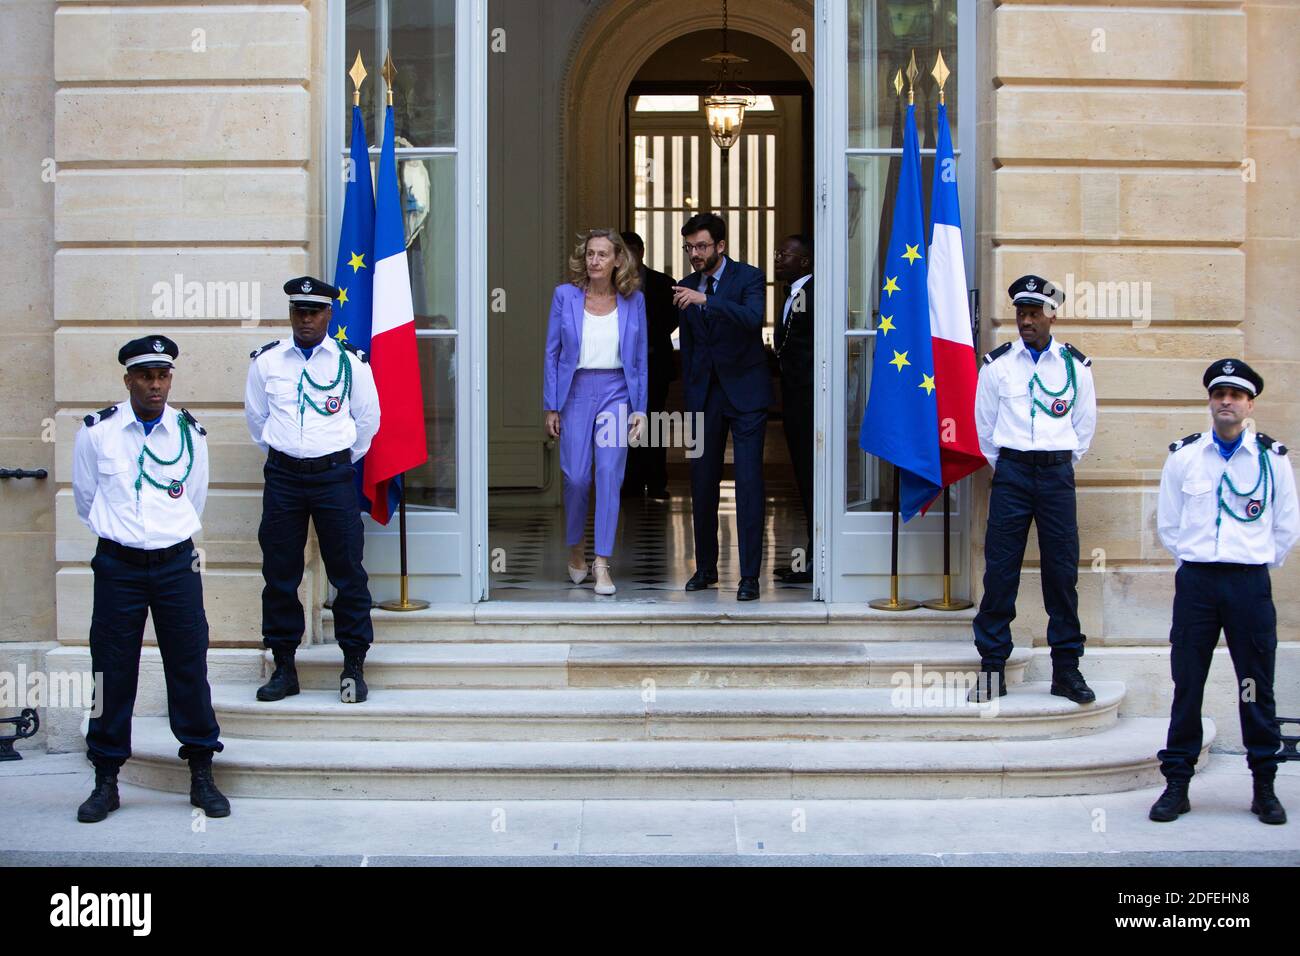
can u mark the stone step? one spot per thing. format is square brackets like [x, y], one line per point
[674, 664]
[1119, 758]
[713, 617]
[1028, 711]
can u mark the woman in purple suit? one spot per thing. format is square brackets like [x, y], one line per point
[594, 389]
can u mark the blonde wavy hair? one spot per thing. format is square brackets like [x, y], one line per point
[626, 278]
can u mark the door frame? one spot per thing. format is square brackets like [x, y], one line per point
[838, 534]
[469, 523]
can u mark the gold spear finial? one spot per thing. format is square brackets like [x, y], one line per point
[358, 74]
[389, 75]
[940, 74]
[912, 72]
[898, 83]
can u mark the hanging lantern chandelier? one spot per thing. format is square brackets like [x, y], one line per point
[725, 104]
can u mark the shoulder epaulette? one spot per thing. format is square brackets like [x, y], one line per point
[1078, 356]
[356, 351]
[1271, 444]
[269, 345]
[193, 421]
[997, 353]
[1194, 436]
[97, 417]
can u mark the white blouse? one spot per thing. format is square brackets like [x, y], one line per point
[599, 341]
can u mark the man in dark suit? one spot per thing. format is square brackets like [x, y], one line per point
[794, 352]
[647, 467]
[723, 306]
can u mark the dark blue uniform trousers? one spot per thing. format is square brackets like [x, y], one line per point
[125, 594]
[1043, 494]
[1237, 599]
[329, 499]
[748, 429]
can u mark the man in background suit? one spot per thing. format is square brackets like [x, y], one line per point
[794, 352]
[647, 467]
[723, 306]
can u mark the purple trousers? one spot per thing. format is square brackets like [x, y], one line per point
[590, 423]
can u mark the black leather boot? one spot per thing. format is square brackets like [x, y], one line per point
[1067, 682]
[1171, 803]
[102, 801]
[203, 789]
[352, 682]
[1265, 803]
[989, 683]
[284, 680]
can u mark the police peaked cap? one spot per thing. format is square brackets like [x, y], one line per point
[1233, 372]
[1035, 290]
[149, 351]
[308, 293]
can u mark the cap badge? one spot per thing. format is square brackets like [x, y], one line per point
[157, 345]
[1229, 368]
[306, 287]
[1031, 285]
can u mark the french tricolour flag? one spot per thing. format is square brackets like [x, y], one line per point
[955, 370]
[400, 443]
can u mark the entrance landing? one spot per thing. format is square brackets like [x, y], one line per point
[654, 555]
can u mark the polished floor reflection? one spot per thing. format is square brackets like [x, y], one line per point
[654, 555]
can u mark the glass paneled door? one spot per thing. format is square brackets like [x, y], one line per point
[861, 47]
[438, 49]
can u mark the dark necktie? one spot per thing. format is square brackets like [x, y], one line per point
[711, 285]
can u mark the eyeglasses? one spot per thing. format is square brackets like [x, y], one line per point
[688, 248]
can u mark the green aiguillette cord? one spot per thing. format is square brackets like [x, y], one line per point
[1069, 386]
[186, 449]
[1263, 484]
[344, 375]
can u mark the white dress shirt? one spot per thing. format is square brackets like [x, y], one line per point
[1003, 404]
[599, 348]
[277, 420]
[105, 465]
[1189, 504]
[717, 278]
[795, 286]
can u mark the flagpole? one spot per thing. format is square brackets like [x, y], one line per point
[404, 603]
[892, 603]
[947, 602]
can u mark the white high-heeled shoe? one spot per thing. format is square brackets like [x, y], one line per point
[603, 588]
[578, 575]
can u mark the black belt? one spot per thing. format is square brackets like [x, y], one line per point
[141, 556]
[1036, 457]
[1225, 565]
[309, 466]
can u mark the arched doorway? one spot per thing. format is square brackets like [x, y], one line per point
[580, 174]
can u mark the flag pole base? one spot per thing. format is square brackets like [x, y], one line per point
[893, 603]
[404, 603]
[939, 604]
[948, 602]
[415, 605]
[889, 604]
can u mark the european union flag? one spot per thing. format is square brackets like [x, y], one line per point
[901, 424]
[354, 274]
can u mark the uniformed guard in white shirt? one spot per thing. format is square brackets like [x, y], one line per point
[1227, 514]
[1035, 412]
[139, 480]
[311, 405]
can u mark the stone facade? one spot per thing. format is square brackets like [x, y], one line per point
[1144, 145]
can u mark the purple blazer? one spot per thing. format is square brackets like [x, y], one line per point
[564, 346]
